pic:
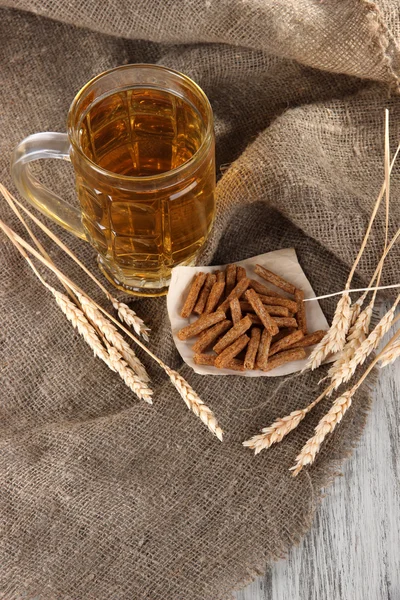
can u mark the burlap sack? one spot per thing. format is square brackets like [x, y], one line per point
[103, 497]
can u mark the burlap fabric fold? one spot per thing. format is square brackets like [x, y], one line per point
[103, 497]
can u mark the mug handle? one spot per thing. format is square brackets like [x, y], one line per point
[35, 147]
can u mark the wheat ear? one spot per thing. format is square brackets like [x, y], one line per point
[177, 380]
[139, 387]
[81, 324]
[128, 316]
[125, 313]
[343, 368]
[326, 425]
[113, 336]
[194, 403]
[275, 433]
[371, 342]
[339, 371]
[390, 355]
[335, 338]
[111, 357]
[284, 425]
[77, 318]
[339, 407]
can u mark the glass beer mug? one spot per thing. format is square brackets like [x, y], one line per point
[141, 141]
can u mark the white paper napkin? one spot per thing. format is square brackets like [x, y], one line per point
[284, 263]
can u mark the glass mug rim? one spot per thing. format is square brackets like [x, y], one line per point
[160, 178]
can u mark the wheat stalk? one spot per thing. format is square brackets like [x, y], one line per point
[356, 307]
[113, 336]
[194, 403]
[125, 313]
[385, 188]
[387, 177]
[139, 387]
[335, 338]
[279, 429]
[379, 266]
[177, 380]
[366, 290]
[342, 369]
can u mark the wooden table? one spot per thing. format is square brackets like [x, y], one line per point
[353, 549]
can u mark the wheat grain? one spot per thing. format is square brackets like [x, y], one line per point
[326, 425]
[356, 308]
[137, 386]
[319, 353]
[113, 336]
[194, 402]
[128, 316]
[335, 338]
[361, 326]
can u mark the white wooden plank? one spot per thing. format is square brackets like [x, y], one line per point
[353, 549]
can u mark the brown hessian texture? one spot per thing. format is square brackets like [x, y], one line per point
[102, 496]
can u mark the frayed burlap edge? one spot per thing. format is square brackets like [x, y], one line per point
[384, 43]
